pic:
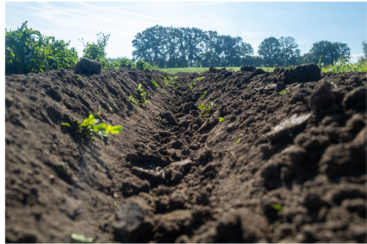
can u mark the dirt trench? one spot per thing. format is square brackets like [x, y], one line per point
[280, 157]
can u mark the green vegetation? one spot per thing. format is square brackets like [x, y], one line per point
[77, 238]
[142, 95]
[96, 51]
[343, 66]
[191, 85]
[205, 109]
[282, 92]
[61, 166]
[200, 78]
[238, 140]
[221, 119]
[155, 83]
[166, 81]
[90, 126]
[204, 95]
[277, 207]
[26, 50]
[133, 100]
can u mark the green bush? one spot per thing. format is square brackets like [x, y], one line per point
[343, 66]
[96, 51]
[26, 50]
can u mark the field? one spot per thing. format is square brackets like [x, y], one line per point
[220, 156]
[174, 71]
[340, 66]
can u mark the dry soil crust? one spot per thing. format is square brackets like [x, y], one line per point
[298, 173]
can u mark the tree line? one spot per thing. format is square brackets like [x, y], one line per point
[27, 50]
[170, 47]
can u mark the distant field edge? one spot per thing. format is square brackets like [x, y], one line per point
[174, 71]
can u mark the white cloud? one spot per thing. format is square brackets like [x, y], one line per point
[249, 34]
[355, 57]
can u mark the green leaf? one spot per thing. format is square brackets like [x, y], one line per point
[116, 129]
[89, 121]
[81, 238]
[108, 129]
[277, 207]
[238, 140]
[139, 86]
[99, 127]
[282, 92]
[202, 107]
[65, 124]
[221, 119]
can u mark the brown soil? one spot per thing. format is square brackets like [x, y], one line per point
[298, 173]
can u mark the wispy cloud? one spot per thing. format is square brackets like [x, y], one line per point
[162, 5]
[124, 12]
[250, 34]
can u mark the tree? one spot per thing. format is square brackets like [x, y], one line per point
[289, 52]
[182, 47]
[364, 46]
[193, 45]
[210, 56]
[329, 51]
[270, 50]
[150, 45]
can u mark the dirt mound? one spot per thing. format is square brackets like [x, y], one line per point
[268, 157]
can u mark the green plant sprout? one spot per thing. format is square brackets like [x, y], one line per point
[282, 92]
[61, 166]
[133, 100]
[155, 83]
[191, 85]
[238, 140]
[159, 118]
[221, 119]
[278, 207]
[204, 95]
[90, 126]
[200, 78]
[81, 238]
[109, 108]
[166, 81]
[142, 95]
[206, 109]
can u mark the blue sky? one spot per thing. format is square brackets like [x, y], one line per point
[307, 22]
